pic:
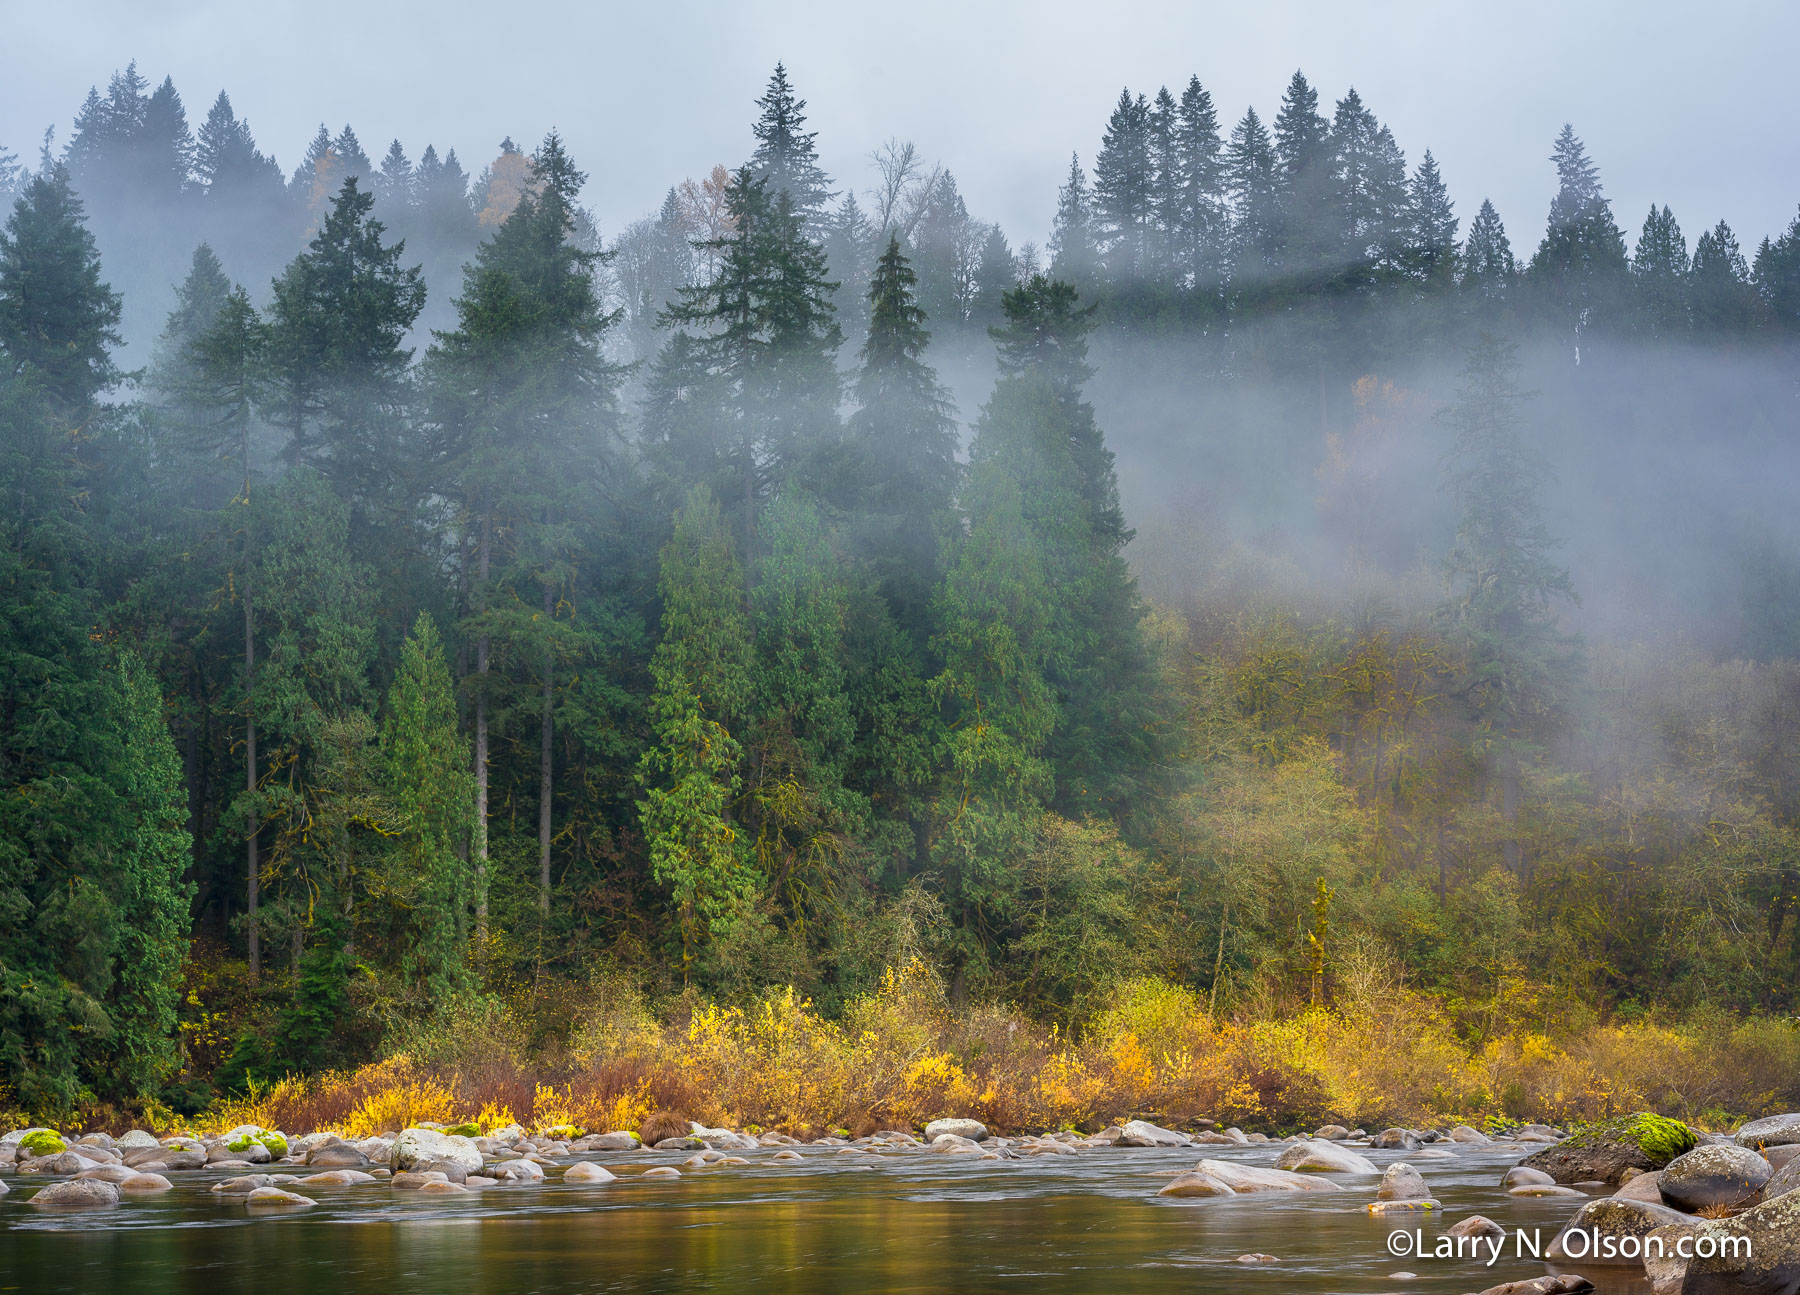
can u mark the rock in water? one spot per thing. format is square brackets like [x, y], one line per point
[1476, 1225]
[274, 1198]
[1604, 1152]
[1774, 1131]
[1196, 1182]
[1597, 1233]
[973, 1130]
[662, 1171]
[146, 1184]
[1320, 1157]
[336, 1178]
[1246, 1178]
[1521, 1176]
[1716, 1174]
[418, 1148]
[336, 1155]
[586, 1171]
[79, 1192]
[1402, 1182]
[1463, 1133]
[1396, 1140]
[1763, 1257]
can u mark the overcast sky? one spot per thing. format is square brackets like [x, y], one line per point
[1689, 104]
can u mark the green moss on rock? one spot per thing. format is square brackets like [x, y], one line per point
[464, 1130]
[275, 1142]
[44, 1143]
[1660, 1139]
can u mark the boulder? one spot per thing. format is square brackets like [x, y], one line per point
[785, 1154]
[414, 1180]
[1715, 1174]
[1603, 1153]
[973, 1130]
[1463, 1133]
[1642, 1187]
[437, 1187]
[1396, 1140]
[136, 1140]
[1476, 1225]
[587, 1172]
[1243, 1179]
[1142, 1133]
[951, 1144]
[1401, 1182]
[518, 1171]
[1319, 1157]
[71, 1163]
[41, 1142]
[242, 1185]
[1544, 1189]
[1610, 1232]
[451, 1170]
[662, 1171]
[146, 1184]
[679, 1144]
[1755, 1253]
[421, 1147]
[336, 1155]
[1331, 1133]
[619, 1140]
[1525, 1176]
[108, 1173]
[184, 1159]
[79, 1193]
[1556, 1284]
[336, 1178]
[1774, 1131]
[1197, 1182]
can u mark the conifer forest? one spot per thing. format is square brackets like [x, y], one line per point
[1293, 646]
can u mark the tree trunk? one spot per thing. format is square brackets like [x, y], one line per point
[481, 741]
[546, 784]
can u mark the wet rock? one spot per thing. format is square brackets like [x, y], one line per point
[1558, 1284]
[417, 1147]
[1142, 1133]
[1331, 1133]
[586, 1171]
[410, 1180]
[1476, 1225]
[679, 1144]
[1214, 1138]
[436, 1188]
[1463, 1133]
[786, 1155]
[1256, 1257]
[518, 1171]
[136, 1140]
[380, 1151]
[336, 1178]
[336, 1155]
[1244, 1179]
[242, 1186]
[185, 1159]
[1316, 1157]
[1543, 1189]
[108, 1173]
[619, 1140]
[1396, 1140]
[1433, 1153]
[79, 1193]
[662, 1171]
[146, 1184]
[1604, 1152]
[973, 1130]
[1196, 1182]
[773, 1139]
[1774, 1131]
[726, 1139]
[1401, 1182]
[1610, 1232]
[1716, 1174]
[1525, 1176]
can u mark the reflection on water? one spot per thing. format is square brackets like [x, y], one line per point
[890, 1223]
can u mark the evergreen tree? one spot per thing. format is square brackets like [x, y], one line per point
[1431, 227]
[429, 784]
[1504, 584]
[996, 274]
[1487, 259]
[1723, 300]
[786, 159]
[1124, 193]
[1197, 219]
[1253, 176]
[338, 374]
[703, 678]
[1777, 277]
[1660, 269]
[907, 438]
[56, 315]
[1580, 266]
[849, 256]
[1073, 256]
[1303, 153]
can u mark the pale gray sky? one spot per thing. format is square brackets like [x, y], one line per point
[1693, 105]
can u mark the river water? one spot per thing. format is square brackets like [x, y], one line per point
[885, 1222]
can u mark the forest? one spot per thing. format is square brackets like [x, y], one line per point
[1274, 623]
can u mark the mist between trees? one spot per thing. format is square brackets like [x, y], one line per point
[463, 623]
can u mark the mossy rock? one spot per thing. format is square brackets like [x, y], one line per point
[464, 1130]
[564, 1132]
[1604, 1151]
[44, 1143]
[275, 1142]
